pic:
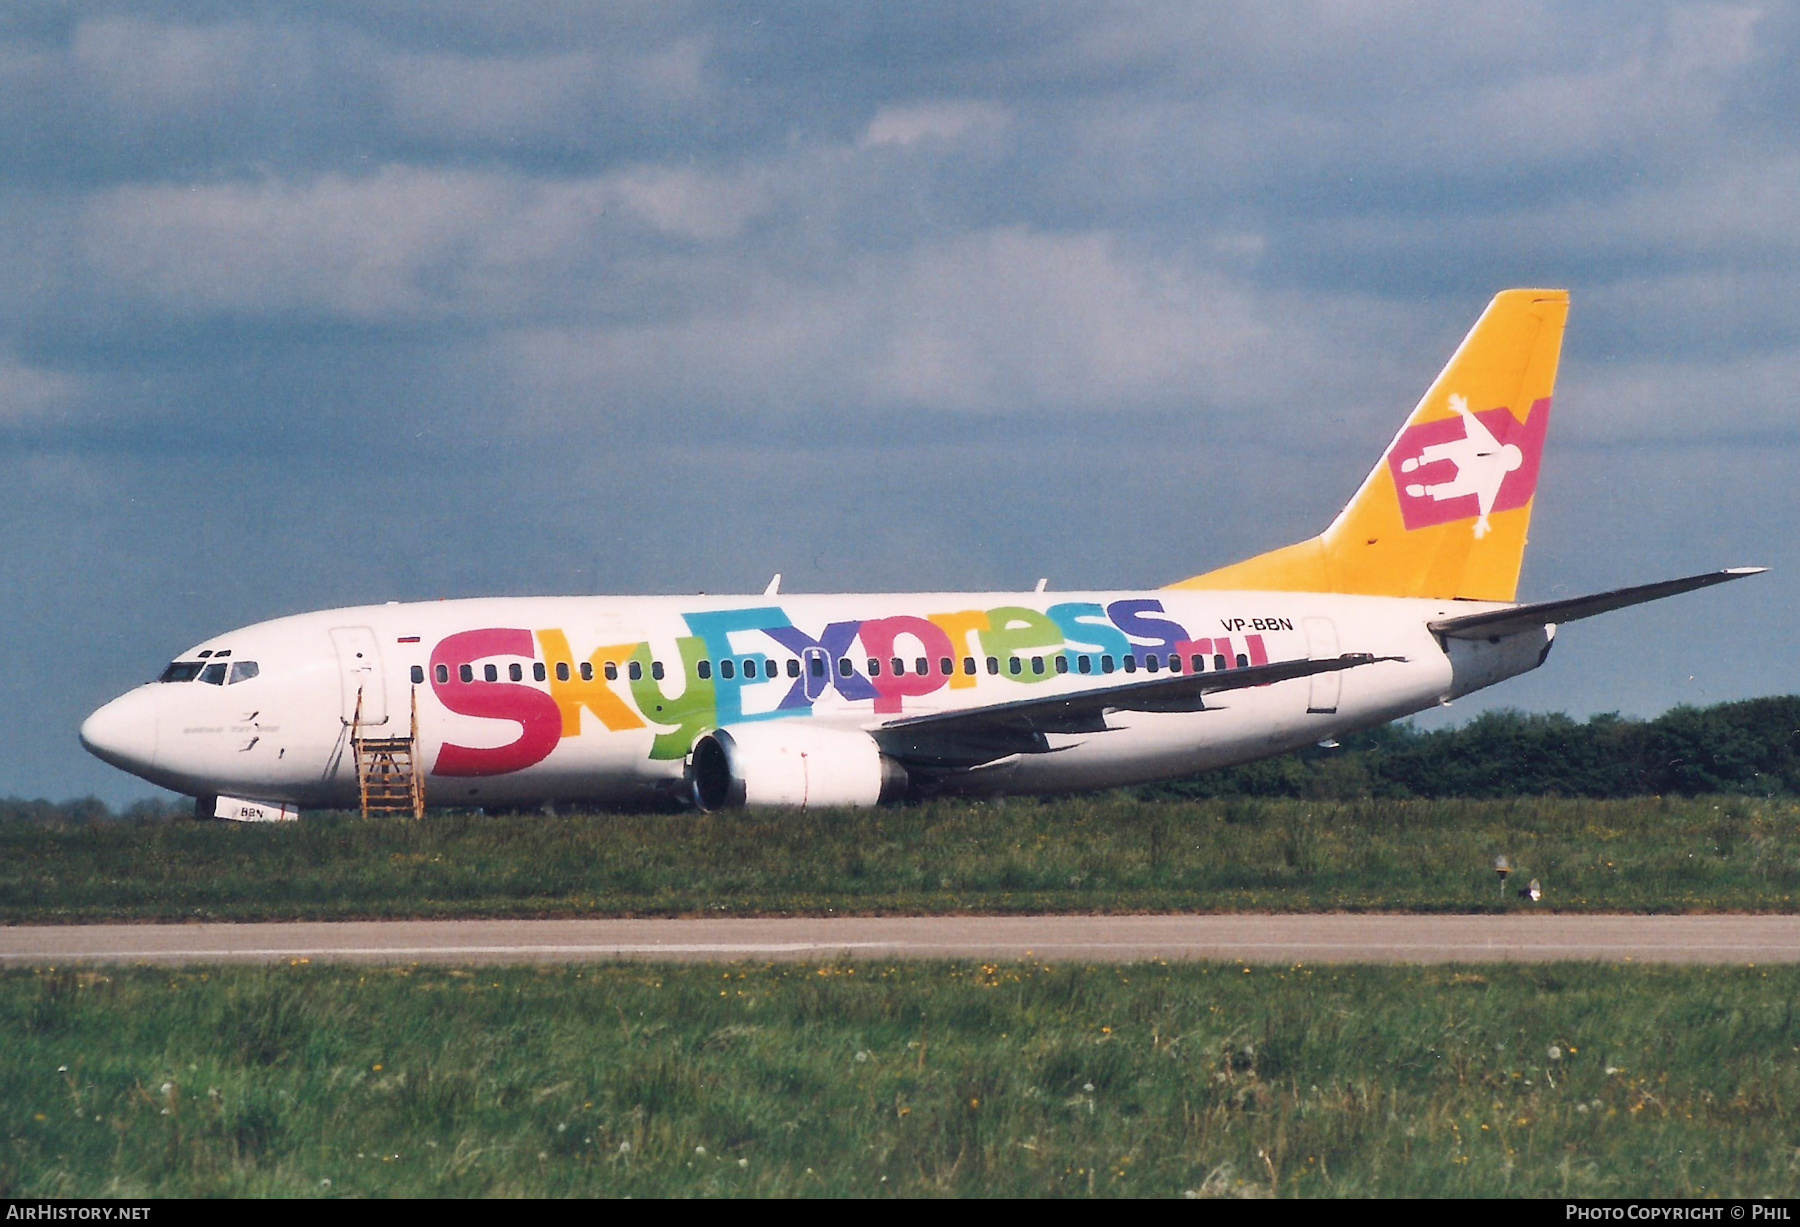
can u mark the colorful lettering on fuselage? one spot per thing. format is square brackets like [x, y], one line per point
[723, 673]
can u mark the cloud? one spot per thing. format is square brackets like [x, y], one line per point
[370, 249]
[1006, 323]
[403, 245]
[690, 204]
[1741, 399]
[565, 99]
[29, 394]
[932, 121]
[148, 72]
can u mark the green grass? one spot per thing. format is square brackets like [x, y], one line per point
[1084, 854]
[919, 1078]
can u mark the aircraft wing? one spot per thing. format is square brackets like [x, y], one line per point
[972, 736]
[1530, 617]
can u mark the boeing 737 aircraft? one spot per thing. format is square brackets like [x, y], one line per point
[1405, 601]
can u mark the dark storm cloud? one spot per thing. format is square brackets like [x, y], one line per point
[659, 297]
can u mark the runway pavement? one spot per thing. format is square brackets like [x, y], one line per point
[1312, 938]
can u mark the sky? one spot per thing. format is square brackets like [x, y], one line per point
[305, 305]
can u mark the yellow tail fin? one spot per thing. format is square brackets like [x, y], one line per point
[1445, 512]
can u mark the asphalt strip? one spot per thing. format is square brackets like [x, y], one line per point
[1236, 937]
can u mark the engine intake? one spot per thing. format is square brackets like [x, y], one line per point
[802, 768]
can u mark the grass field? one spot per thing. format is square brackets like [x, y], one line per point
[860, 1079]
[1085, 854]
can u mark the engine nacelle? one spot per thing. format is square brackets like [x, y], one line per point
[801, 767]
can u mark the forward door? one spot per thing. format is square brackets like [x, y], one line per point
[359, 668]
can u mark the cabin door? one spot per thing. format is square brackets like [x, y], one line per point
[1322, 644]
[359, 667]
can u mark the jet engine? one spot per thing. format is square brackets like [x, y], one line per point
[779, 764]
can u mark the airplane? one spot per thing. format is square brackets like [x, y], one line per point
[1405, 601]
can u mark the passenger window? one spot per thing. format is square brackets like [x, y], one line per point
[727, 669]
[703, 670]
[587, 670]
[612, 671]
[969, 665]
[537, 670]
[899, 667]
[181, 671]
[1151, 663]
[1015, 666]
[491, 673]
[818, 666]
[1219, 661]
[443, 674]
[418, 672]
[1243, 662]
[562, 670]
[466, 672]
[1062, 664]
[656, 670]
[993, 664]
[750, 667]
[923, 666]
[946, 666]
[874, 667]
[844, 667]
[1106, 664]
[515, 672]
[1199, 664]
[793, 667]
[636, 670]
[213, 675]
[1084, 664]
[1174, 662]
[1037, 665]
[1130, 663]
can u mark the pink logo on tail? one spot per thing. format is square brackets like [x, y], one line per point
[1468, 466]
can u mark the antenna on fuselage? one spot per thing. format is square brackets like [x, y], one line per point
[774, 588]
[1042, 584]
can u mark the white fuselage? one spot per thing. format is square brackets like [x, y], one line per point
[523, 700]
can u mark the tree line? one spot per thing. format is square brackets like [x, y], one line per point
[1749, 748]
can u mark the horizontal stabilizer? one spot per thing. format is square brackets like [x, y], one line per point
[978, 735]
[1501, 622]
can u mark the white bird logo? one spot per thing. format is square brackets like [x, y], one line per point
[1482, 463]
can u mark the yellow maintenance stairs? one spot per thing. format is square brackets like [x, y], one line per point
[387, 771]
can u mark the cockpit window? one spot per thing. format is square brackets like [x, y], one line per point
[214, 674]
[242, 671]
[182, 671]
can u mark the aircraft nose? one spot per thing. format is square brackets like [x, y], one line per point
[123, 732]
